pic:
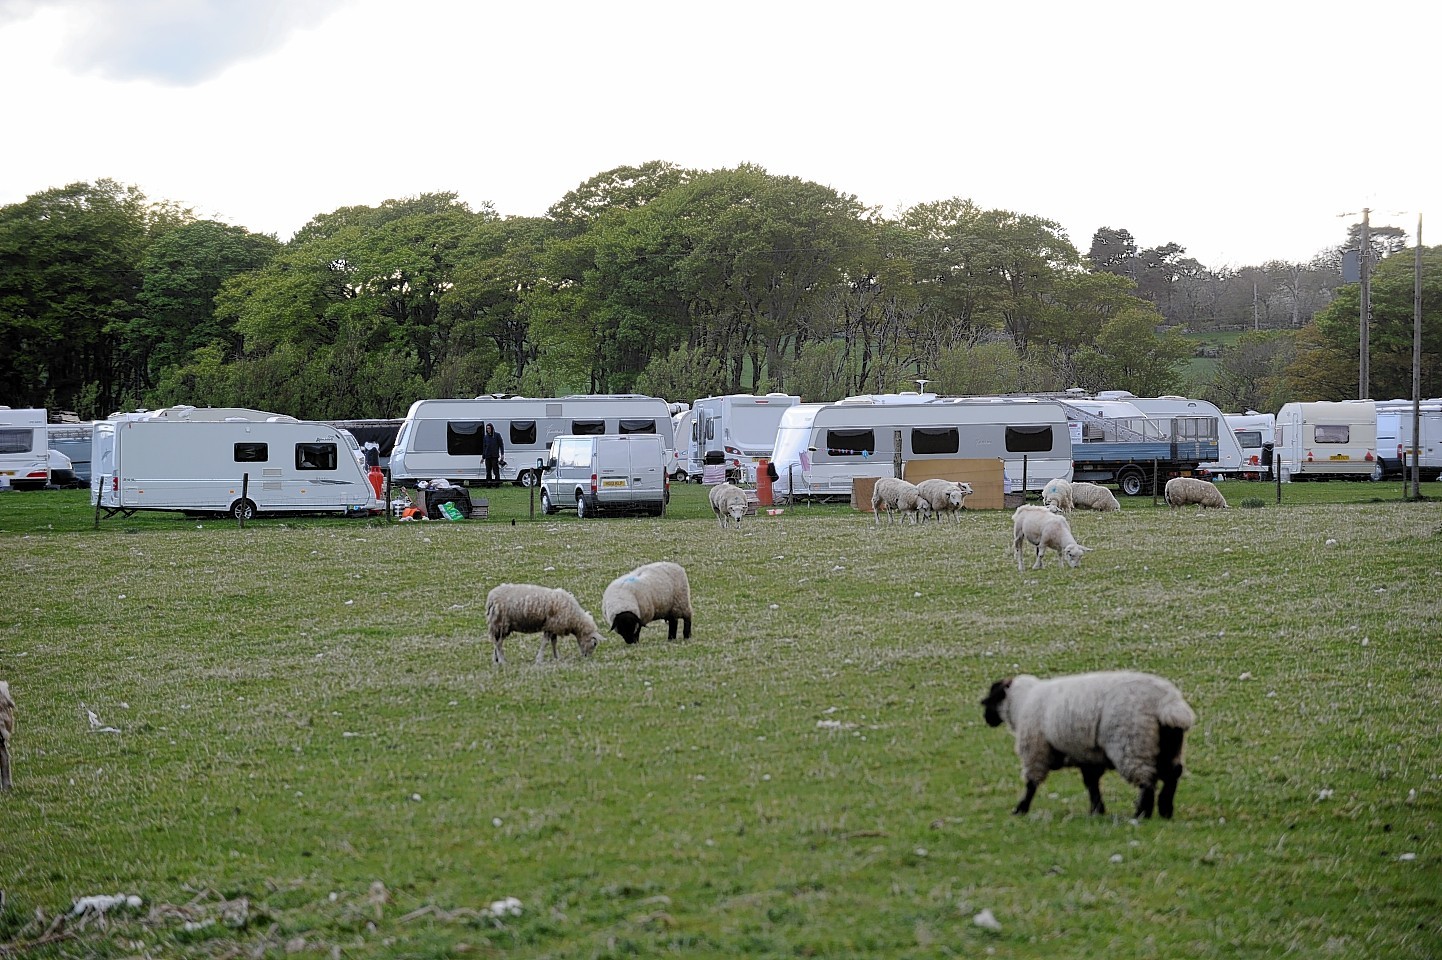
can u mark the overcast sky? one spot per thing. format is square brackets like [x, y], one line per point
[1242, 131]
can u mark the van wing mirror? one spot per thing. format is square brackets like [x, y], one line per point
[550, 464]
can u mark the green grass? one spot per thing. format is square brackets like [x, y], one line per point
[307, 709]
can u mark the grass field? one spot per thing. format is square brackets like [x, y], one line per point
[313, 755]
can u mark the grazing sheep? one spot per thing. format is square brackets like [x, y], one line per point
[1045, 527]
[1093, 497]
[728, 501]
[898, 496]
[526, 608]
[656, 591]
[7, 732]
[944, 496]
[1122, 720]
[1058, 492]
[1185, 491]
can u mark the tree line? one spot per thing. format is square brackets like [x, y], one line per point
[662, 280]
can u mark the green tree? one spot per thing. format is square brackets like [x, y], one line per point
[1129, 354]
[685, 374]
[1251, 372]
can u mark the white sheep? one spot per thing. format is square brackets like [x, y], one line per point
[1123, 720]
[655, 591]
[944, 496]
[7, 732]
[1058, 491]
[527, 608]
[898, 496]
[1093, 497]
[1185, 491]
[728, 501]
[1044, 526]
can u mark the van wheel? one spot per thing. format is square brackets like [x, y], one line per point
[243, 510]
[1131, 481]
[585, 506]
[547, 507]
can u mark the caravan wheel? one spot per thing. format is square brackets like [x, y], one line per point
[526, 478]
[243, 510]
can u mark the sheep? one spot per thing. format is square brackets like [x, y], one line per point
[944, 496]
[898, 496]
[1045, 527]
[526, 608]
[1093, 497]
[1184, 491]
[1131, 722]
[1058, 491]
[7, 732]
[728, 501]
[655, 591]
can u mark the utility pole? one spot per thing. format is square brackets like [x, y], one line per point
[1416, 443]
[1364, 371]
[1256, 321]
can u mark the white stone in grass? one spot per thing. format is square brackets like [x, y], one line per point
[349, 602]
[1331, 541]
[1408, 856]
[507, 907]
[1324, 794]
[548, 570]
[917, 593]
[496, 821]
[774, 606]
[987, 921]
[415, 798]
[1246, 676]
[1116, 858]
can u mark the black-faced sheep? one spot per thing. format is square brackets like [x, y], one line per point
[7, 731]
[944, 496]
[728, 501]
[527, 608]
[1090, 496]
[1185, 491]
[897, 496]
[1044, 527]
[1130, 722]
[656, 591]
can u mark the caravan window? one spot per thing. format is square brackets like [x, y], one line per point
[1332, 433]
[251, 453]
[16, 441]
[638, 426]
[523, 432]
[588, 427]
[850, 443]
[710, 428]
[1249, 438]
[935, 440]
[315, 456]
[463, 437]
[1029, 439]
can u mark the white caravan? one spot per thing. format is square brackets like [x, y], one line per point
[1229, 451]
[738, 429]
[1253, 430]
[24, 448]
[441, 439]
[1394, 438]
[678, 465]
[226, 460]
[821, 447]
[1325, 439]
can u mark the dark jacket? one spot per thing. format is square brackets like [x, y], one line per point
[491, 447]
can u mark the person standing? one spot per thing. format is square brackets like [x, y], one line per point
[492, 451]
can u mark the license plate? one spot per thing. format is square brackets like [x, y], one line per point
[613, 483]
[1340, 456]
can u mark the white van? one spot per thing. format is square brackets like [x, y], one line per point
[1394, 438]
[611, 473]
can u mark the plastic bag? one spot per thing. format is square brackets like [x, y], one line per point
[451, 511]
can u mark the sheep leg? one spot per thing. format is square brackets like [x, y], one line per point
[686, 632]
[498, 658]
[4, 764]
[1145, 799]
[670, 628]
[1092, 777]
[1024, 804]
[1169, 768]
[1040, 555]
[546, 638]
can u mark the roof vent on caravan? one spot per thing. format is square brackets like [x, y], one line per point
[1123, 395]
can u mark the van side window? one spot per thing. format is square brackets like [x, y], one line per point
[463, 438]
[251, 453]
[315, 456]
[573, 453]
[1029, 439]
[1333, 433]
[523, 433]
[588, 427]
[935, 440]
[850, 443]
[638, 426]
